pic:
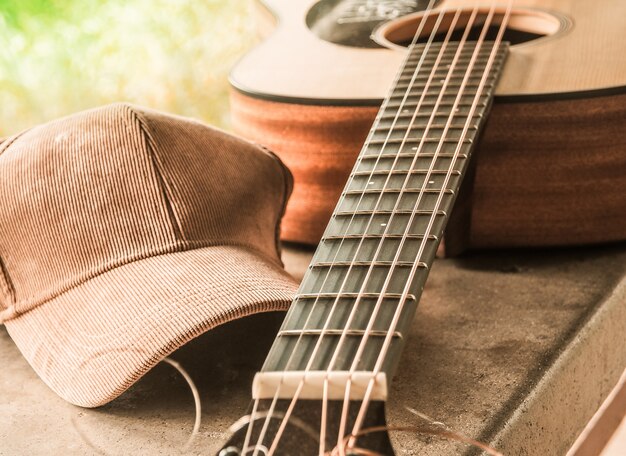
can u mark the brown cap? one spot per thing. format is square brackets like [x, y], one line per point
[125, 233]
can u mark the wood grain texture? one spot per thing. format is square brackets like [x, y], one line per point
[548, 174]
[318, 144]
[551, 174]
[295, 63]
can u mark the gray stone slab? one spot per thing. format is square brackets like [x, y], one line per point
[513, 348]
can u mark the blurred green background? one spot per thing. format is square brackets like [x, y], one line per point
[63, 56]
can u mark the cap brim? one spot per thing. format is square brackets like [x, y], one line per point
[94, 341]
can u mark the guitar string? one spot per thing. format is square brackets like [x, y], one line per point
[446, 179]
[460, 48]
[366, 280]
[325, 399]
[384, 106]
[381, 357]
[421, 100]
[323, 427]
[255, 407]
[286, 418]
[294, 350]
[358, 203]
[429, 172]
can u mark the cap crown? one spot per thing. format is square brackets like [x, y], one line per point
[90, 192]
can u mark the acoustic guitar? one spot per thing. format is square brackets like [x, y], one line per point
[553, 150]
[550, 164]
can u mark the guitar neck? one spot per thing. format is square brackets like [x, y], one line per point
[360, 293]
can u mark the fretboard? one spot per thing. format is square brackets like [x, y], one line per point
[373, 260]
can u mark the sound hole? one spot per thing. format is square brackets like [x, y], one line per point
[523, 26]
[351, 22]
[510, 35]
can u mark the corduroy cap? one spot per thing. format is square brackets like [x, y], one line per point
[125, 233]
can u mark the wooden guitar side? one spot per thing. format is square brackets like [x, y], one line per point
[549, 173]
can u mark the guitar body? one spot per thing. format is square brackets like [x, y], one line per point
[550, 168]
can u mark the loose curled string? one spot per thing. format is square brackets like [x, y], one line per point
[197, 421]
[196, 400]
[293, 420]
[444, 432]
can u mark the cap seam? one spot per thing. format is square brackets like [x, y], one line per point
[4, 145]
[8, 289]
[177, 247]
[164, 185]
[287, 187]
[7, 285]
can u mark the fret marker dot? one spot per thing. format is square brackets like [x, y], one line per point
[383, 224]
[413, 148]
[431, 182]
[371, 183]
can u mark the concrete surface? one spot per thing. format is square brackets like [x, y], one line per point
[513, 348]
[606, 431]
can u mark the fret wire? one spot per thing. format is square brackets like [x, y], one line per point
[435, 126]
[420, 87]
[417, 172]
[402, 264]
[292, 404]
[410, 297]
[419, 128]
[454, 76]
[386, 344]
[371, 141]
[431, 237]
[386, 102]
[416, 134]
[387, 212]
[419, 114]
[409, 155]
[427, 139]
[366, 173]
[429, 105]
[462, 61]
[387, 191]
[338, 348]
[388, 278]
[394, 96]
[418, 131]
[323, 424]
[443, 74]
[417, 137]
